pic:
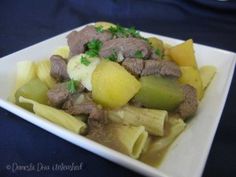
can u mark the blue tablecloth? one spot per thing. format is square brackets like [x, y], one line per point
[23, 23]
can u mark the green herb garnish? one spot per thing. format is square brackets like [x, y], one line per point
[84, 60]
[71, 86]
[113, 56]
[94, 47]
[119, 31]
[159, 53]
[99, 29]
[138, 54]
[133, 32]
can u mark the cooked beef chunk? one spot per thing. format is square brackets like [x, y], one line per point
[58, 68]
[71, 100]
[58, 95]
[88, 108]
[151, 67]
[133, 65]
[126, 47]
[75, 98]
[77, 40]
[169, 68]
[190, 104]
[161, 67]
[141, 67]
[83, 104]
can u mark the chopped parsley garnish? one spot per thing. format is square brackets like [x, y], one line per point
[138, 54]
[133, 32]
[94, 47]
[84, 60]
[159, 53]
[119, 31]
[113, 56]
[99, 29]
[71, 86]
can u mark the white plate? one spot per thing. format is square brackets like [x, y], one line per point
[187, 155]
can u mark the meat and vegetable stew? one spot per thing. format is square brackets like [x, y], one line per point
[116, 87]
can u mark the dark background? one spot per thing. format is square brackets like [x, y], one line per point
[23, 23]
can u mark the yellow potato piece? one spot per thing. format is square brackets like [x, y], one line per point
[105, 25]
[63, 51]
[183, 54]
[191, 76]
[43, 73]
[26, 70]
[112, 85]
[156, 43]
[207, 74]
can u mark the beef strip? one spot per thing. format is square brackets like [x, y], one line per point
[77, 39]
[169, 68]
[190, 104]
[58, 68]
[126, 47]
[151, 67]
[58, 95]
[161, 67]
[141, 67]
[133, 65]
[78, 106]
[75, 98]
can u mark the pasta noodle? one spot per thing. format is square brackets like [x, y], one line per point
[157, 146]
[57, 116]
[153, 120]
[129, 140]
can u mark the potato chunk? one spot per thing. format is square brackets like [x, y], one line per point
[43, 73]
[158, 45]
[183, 54]
[192, 77]
[207, 74]
[112, 85]
[104, 25]
[63, 51]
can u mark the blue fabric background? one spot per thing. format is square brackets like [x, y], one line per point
[26, 22]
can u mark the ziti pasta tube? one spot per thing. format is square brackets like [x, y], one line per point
[56, 116]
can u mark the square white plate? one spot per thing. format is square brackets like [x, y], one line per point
[187, 155]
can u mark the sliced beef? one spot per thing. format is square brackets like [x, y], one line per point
[190, 104]
[126, 47]
[151, 67]
[141, 67]
[58, 68]
[161, 67]
[86, 106]
[133, 65]
[169, 68]
[58, 95]
[73, 99]
[77, 39]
